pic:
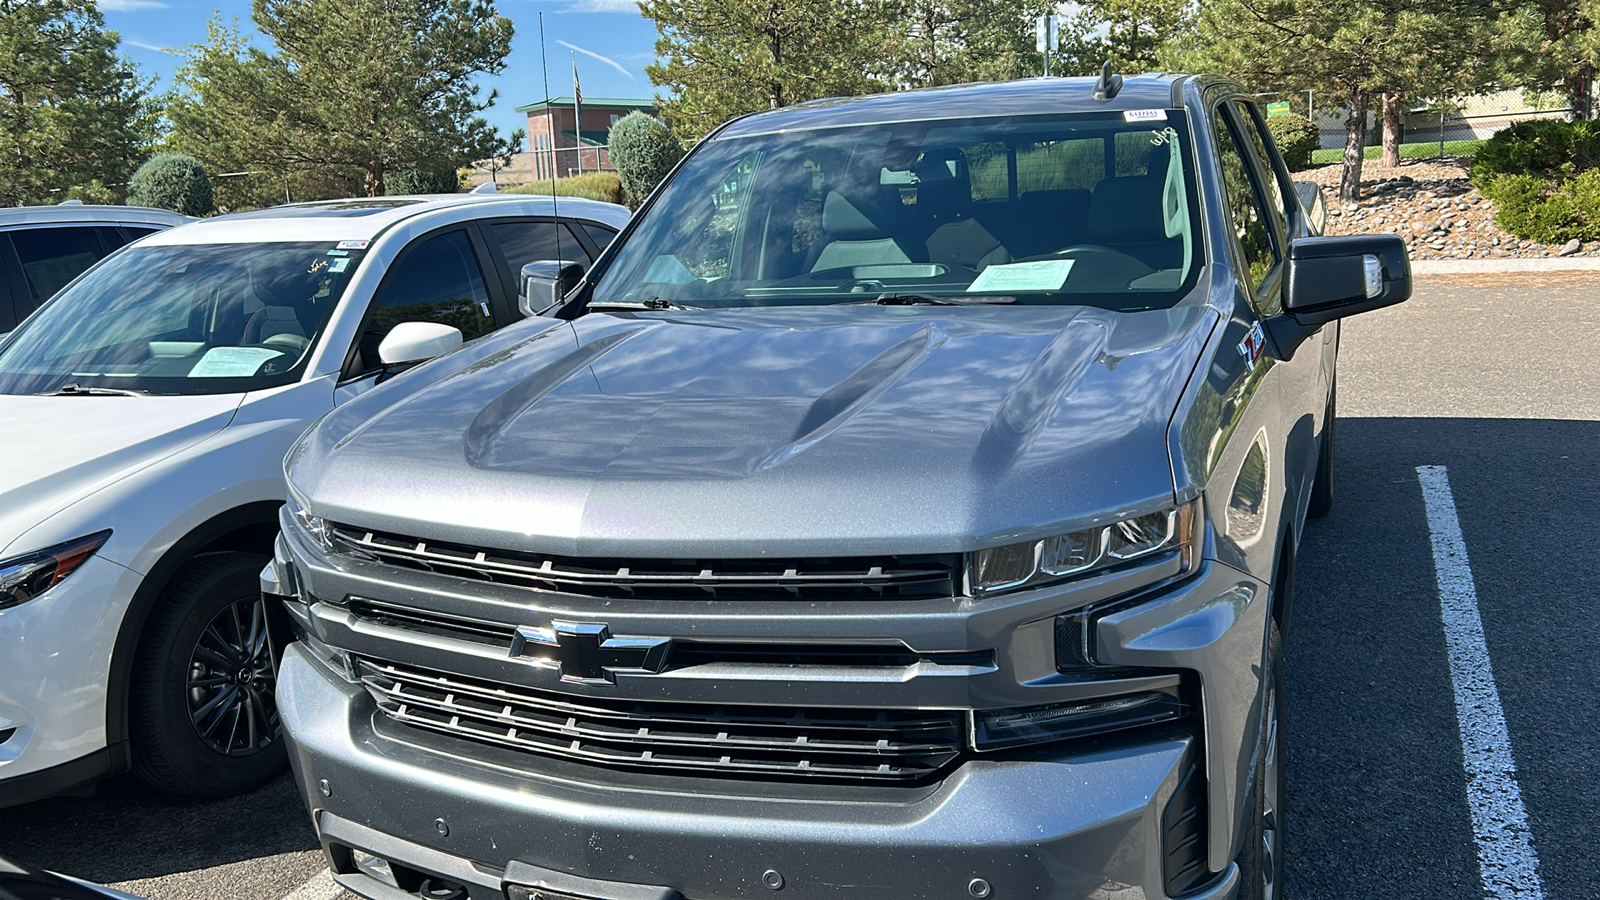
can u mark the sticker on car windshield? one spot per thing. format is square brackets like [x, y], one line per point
[339, 265]
[1041, 275]
[1144, 115]
[352, 245]
[232, 362]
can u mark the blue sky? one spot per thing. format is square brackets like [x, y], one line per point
[611, 41]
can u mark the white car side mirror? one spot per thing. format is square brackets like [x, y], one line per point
[412, 342]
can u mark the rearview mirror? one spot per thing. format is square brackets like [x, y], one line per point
[414, 342]
[545, 282]
[1329, 278]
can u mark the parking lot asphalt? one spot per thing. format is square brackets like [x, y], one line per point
[1495, 378]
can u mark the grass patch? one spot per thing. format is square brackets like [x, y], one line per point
[1419, 150]
[603, 186]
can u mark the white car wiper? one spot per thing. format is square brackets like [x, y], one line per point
[78, 390]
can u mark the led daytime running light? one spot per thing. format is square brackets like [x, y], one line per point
[1015, 565]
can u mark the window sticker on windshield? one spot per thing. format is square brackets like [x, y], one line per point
[1043, 275]
[669, 270]
[231, 362]
[338, 252]
[338, 265]
[353, 245]
[1139, 115]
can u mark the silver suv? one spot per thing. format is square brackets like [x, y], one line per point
[905, 505]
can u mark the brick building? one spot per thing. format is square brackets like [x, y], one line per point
[555, 142]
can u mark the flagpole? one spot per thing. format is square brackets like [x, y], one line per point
[577, 110]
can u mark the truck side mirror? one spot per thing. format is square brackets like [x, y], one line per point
[1332, 277]
[545, 282]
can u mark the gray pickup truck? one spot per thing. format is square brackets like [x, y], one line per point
[904, 506]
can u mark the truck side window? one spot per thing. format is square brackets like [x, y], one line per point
[526, 242]
[437, 280]
[1276, 207]
[1245, 209]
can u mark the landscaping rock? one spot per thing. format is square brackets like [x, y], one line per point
[1430, 204]
[1571, 247]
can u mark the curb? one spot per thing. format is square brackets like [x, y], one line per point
[1500, 266]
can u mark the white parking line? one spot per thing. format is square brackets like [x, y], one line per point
[1506, 861]
[322, 887]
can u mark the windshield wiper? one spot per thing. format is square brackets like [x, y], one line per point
[893, 299]
[78, 390]
[653, 303]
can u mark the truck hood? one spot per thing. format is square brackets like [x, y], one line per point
[60, 450]
[740, 433]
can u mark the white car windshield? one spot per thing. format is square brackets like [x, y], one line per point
[182, 319]
[1086, 208]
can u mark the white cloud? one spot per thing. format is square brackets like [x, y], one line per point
[131, 5]
[605, 59]
[612, 6]
[143, 46]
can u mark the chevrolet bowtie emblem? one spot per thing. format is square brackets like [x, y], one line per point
[587, 651]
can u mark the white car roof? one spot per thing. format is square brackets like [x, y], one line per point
[83, 213]
[366, 218]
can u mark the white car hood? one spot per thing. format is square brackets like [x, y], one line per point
[59, 450]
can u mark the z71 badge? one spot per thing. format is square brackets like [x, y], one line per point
[1253, 346]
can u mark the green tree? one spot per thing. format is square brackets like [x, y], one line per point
[172, 181]
[1129, 33]
[1356, 50]
[351, 90]
[938, 42]
[1550, 45]
[724, 58]
[73, 114]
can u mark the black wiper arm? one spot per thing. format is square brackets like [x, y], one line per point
[78, 390]
[650, 304]
[893, 299]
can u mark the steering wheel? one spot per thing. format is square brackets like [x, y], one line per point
[293, 342]
[1089, 248]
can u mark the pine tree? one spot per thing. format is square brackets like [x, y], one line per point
[73, 114]
[351, 90]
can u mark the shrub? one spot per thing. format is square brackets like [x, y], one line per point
[1296, 137]
[172, 181]
[422, 181]
[1549, 148]
[603, 186]
[1551, 213]
[644, 150]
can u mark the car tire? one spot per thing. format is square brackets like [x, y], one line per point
[1322, 488]
[203, 718]
[1260, 857]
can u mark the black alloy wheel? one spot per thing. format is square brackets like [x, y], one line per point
[231, 681]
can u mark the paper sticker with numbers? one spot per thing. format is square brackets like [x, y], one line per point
[1144, 115]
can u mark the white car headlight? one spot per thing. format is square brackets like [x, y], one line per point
[1066, 555]
[25, 577]
[313, 527]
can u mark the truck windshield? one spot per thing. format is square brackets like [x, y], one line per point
[1088, 208]
[185, 319]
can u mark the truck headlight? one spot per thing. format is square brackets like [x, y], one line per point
[25, 577]
[313, 527]
[1063, 556]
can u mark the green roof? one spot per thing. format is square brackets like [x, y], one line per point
[591, 103]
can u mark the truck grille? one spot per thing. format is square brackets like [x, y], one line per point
[830, 578]
[694, 739]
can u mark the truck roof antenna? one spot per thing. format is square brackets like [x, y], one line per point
[1108, 84]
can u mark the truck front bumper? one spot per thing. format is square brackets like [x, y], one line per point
[1086, 826]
